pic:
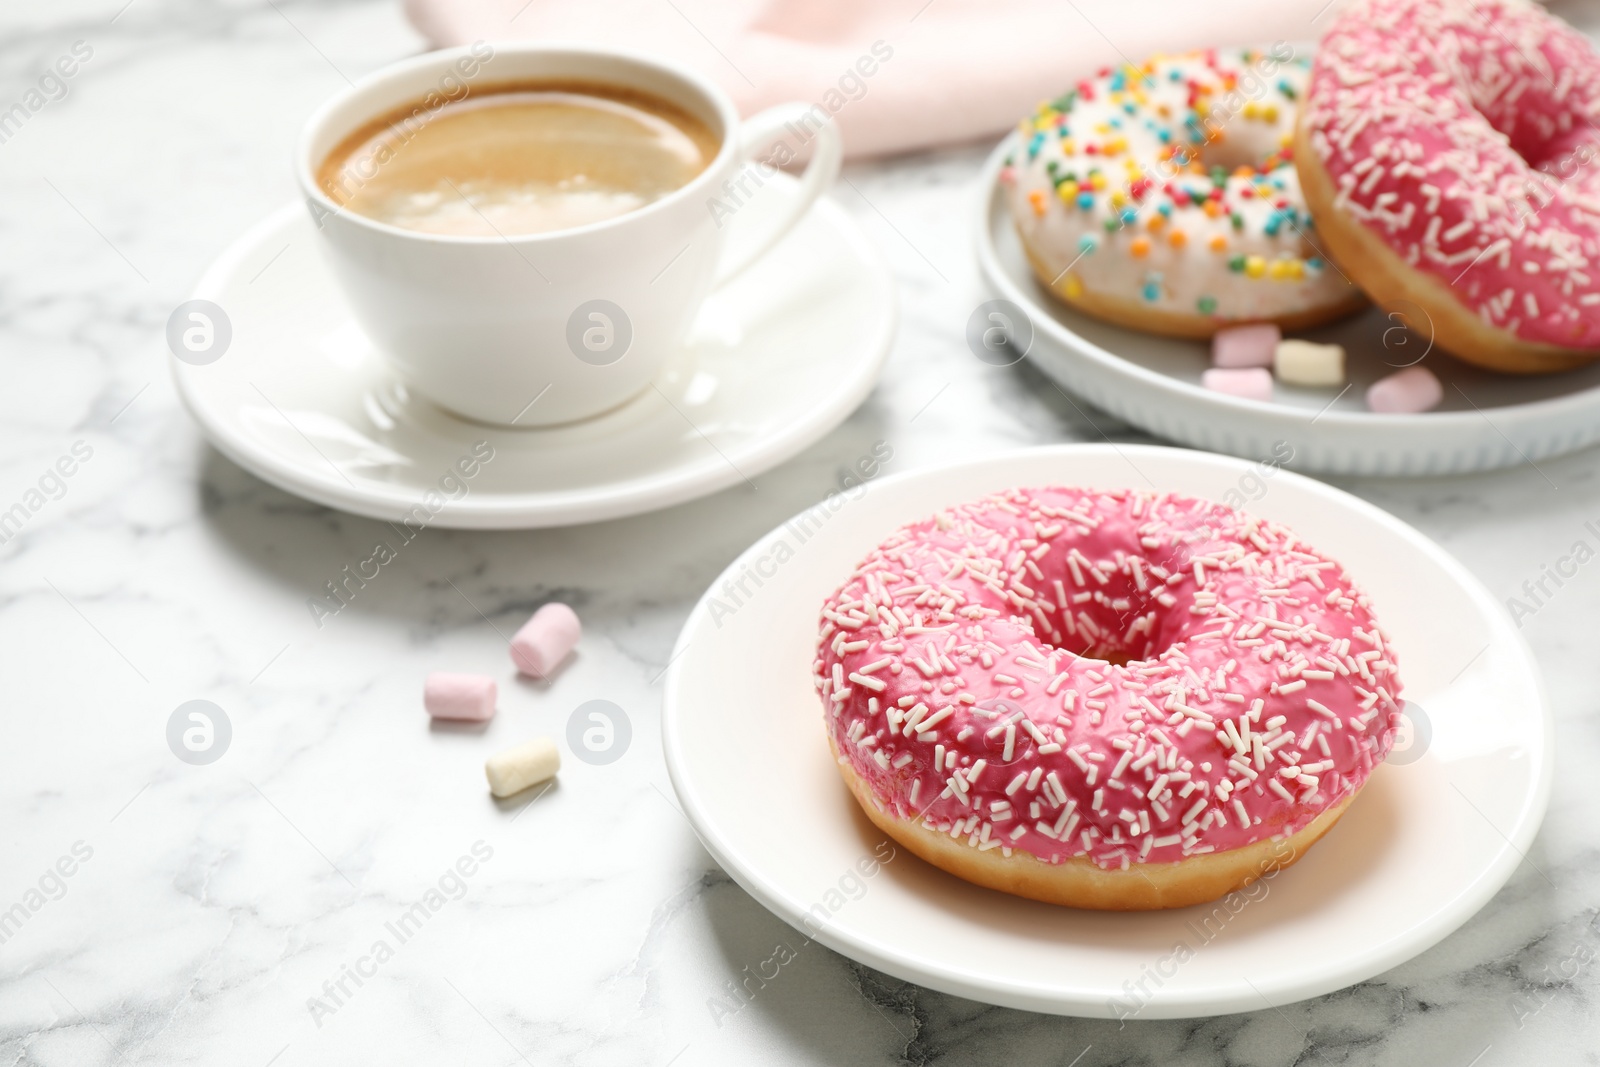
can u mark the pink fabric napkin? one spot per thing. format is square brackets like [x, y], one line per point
[897, 74]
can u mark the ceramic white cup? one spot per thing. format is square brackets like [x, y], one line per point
[546, 328]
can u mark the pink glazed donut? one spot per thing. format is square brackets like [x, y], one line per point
[1104, 699]
[1447, 149]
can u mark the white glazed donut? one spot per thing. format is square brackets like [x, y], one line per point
[1164, 197]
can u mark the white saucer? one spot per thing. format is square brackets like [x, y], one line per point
[301, 398]
[1430, 839]
[1486, 420]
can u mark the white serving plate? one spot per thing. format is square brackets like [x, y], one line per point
[1485, 421]
[1429, 840]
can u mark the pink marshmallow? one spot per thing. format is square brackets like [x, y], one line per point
[464, 697]
[545, 640]
[1252, 383]
[1245, 346]
[1405, 392]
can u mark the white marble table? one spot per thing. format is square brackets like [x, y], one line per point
[207, 905]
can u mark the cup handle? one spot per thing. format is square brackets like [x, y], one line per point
[760, 133]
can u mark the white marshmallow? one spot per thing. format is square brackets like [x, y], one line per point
[527, 764]
[1306, 363]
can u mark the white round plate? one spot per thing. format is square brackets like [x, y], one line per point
[778, 357]
[1425, 845]
[1485, 420]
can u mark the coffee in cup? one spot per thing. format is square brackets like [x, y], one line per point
[518, 158]
[530, 251]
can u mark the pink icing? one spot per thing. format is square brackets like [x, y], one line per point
[1460, 132]
[953, 668]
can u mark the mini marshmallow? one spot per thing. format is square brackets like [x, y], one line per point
[1305, 363]
[464, 697]
[527, 764]
[1411, 390]
[1245, 346]
[1252, 383]
[545, 640]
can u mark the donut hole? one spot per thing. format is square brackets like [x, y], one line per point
[1564, 157]
[1542, 130]
[1109, 649]
[1115, 657]
[1105, 617]
[1106, 647]
[1543, 121]
[1229, 153]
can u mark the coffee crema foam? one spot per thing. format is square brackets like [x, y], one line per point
[519, 159]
